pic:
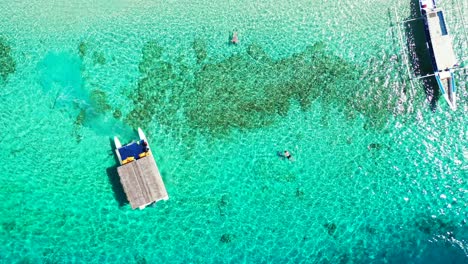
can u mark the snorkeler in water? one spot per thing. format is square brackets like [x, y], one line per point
[235, 38]
[285, 155]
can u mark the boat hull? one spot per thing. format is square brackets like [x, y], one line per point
[439, 44]
[448, 89]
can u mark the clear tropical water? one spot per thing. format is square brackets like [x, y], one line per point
[379, 174]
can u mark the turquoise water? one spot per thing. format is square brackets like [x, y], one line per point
[379, 176]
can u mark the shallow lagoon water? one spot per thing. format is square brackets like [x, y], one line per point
[378, 175]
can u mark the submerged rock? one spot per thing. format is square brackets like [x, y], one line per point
[299, 193]
[376, 146]
[331, 228]
[226, 238]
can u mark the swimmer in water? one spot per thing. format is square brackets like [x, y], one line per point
[287, 154]
[235, 38]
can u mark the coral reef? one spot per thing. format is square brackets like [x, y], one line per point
[7, 63]
[199, 47]
[117, 114]
[226, 238]
[331, 228]
[99, 58]
[78, 125]
[99, 101]
[82, 49]
[246, 91]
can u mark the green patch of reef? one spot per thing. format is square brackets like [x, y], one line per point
[99, 58]
[249, 90]
[82, 49]
[7, 63]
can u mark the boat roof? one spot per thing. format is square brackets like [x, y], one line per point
[133, 149]
[142, 182]
[441, 40]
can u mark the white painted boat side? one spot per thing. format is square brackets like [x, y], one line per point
[445, 82]
[117, 142]
[117, 146]
[142, 136]
[141, 207]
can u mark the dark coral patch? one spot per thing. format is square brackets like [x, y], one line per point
[199, 47]
[78, 125]
[7, 63]
[299, 193]
[244, 91]
[99, 101]
[331, 228]
[226, 238]
[9, 226]
[117, 114]
[99, 58]
[438, 225]
[152, 53]
[82, 49]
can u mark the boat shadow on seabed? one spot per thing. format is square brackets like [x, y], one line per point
[419, 56]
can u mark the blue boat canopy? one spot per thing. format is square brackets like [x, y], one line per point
[132, 150]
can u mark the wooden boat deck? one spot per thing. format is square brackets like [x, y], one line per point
[441, 40]
[142, 182]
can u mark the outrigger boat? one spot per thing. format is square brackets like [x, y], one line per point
[139, 174]
[439, 43]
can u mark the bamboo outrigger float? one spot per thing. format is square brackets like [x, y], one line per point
[139, 173]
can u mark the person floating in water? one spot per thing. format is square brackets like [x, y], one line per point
[285, 155]
[235, 38]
